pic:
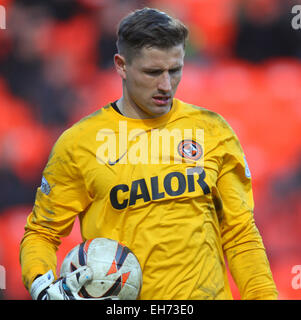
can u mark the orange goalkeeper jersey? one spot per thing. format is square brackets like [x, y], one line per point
[175, 189]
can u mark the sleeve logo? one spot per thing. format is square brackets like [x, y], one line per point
[45, 187]
[247, 170]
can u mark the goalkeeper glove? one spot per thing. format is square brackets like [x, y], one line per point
[45, 288]
[66, 288]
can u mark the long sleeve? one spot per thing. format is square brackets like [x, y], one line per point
[60, 198]
[241, 240]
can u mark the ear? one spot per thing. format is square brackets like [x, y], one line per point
[120, 65]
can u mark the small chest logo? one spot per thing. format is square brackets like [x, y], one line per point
[190, 149]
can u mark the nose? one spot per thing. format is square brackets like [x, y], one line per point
[164, 82]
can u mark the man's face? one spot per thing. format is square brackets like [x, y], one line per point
[151, 80]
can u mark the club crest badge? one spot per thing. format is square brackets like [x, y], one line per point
[190, 149]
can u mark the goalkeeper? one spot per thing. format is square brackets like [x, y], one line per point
[184, 207]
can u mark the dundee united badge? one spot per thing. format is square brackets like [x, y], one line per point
[190, 149]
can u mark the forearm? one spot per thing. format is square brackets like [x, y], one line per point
[37, 256]
[251, 272]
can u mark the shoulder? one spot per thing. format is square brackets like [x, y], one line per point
[87, 124]
[90, 121]
[83, 130]
[205, 118]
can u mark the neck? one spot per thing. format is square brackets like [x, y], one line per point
[131, 110]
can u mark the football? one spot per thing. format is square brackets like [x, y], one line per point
[116, 270]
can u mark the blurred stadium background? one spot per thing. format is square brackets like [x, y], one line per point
[243, 61]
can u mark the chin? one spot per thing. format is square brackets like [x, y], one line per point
[159, 110]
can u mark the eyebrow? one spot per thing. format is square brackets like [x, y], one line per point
[154, 69]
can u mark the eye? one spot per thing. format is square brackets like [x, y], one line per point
[153, 72]
[175, 70]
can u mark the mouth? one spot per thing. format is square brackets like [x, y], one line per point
[161, 100]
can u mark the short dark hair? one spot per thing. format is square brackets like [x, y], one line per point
[149, 27]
